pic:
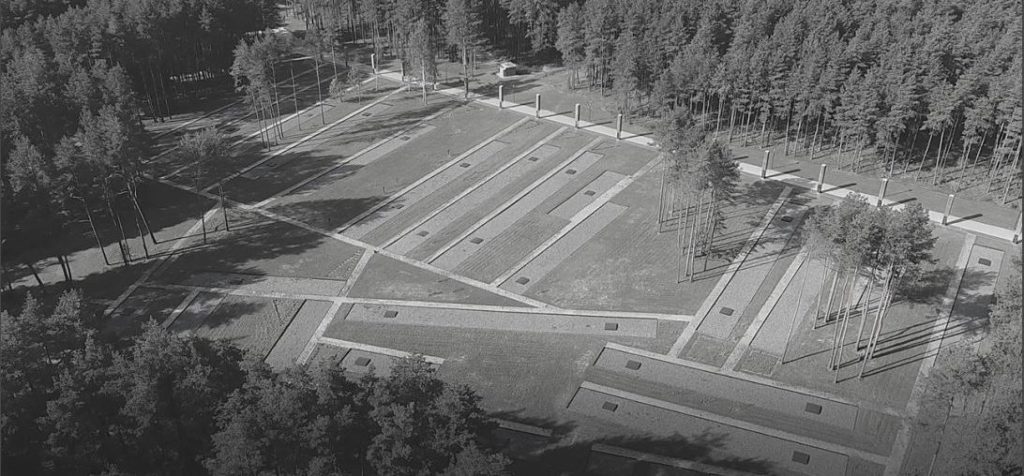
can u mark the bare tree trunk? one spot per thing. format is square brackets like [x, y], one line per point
[92, 224]
[732, 121]
[920, 166]
[864, 308]
[789, 119]
[693, 235]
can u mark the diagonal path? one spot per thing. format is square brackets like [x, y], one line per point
[395, 196]
[578, 218]
[515, 199]
[481, 183]
[723, 282]
[301, 141]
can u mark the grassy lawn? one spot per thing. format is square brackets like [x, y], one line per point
[521, 374]
[254, 324]
[387, 278]
[892, 372]
[593, 276]
[331, 202]
[323, 151]
[260, 246]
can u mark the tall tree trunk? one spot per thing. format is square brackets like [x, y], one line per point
[92, 224]
[732, 121]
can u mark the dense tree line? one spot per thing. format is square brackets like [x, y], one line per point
[74, 403]
[76, 76]
[993, 440]
[925, 84]
[932, 87]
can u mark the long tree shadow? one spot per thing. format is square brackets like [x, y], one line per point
[329, 214]
[586, 457]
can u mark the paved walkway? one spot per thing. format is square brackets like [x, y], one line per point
[974, 216]
[723, 282]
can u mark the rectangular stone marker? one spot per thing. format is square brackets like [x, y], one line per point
[632, 365]
[802, 458]
[523, 280]
[533, 159]
[476, 240]
[984, 262]
[570, 172]
[727, 311]
[399, 206]
[589, 193]
[611, 326]
[610, 406]
[787, 218]
[813, 408]
[390, 314]
[423, 233]
[464, 165]
[362, 361]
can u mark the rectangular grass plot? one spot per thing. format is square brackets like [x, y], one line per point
[813, 408]
[609, 406]
[363, 361]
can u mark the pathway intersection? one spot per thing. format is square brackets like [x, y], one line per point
[527, 173]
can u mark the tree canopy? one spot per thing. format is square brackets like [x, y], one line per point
[74, 403]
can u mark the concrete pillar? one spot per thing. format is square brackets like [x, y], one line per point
[577, 115]
[765, 163]
[881, 192]
[376, 77]
[501, 96]
[618, 127]
[821, 178]
[949, 207]
[536, 105]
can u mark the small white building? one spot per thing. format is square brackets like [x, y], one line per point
[508, 68]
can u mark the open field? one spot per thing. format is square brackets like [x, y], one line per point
[405, 218]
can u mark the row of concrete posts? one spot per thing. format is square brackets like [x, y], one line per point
[576, 110]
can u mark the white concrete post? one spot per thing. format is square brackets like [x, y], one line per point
[501, 96]
[577, 115]
[881, 192]
[764, 163]
[1016, 232]
[536, 105]
[821, 178]
[618, 127]
[949, 207]
[376, 77]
